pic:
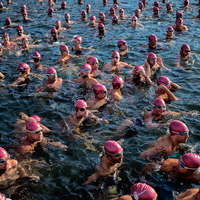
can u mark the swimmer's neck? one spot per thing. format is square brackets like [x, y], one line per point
[156, 116]
[115, 65]
[153, 46]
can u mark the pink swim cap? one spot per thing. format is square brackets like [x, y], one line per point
[121, 10]
[101, 14]
[140, 4]
[23, 6]
[100, 26]
[179, 14]
[191, 160]
[186, 1]
[58, 22]
[170, 28]
[23, 67]
[24, 38]
[152, 37]
[88, 5]
[114, 17]
[32, 126]
[50, 10]
[83, 12]
[138, 11]
[50, 70]
[168, 5]
[177, 127]
[185, 47]
[112, 147]
[36, 55]
[142, 191]
[139, 68]
[67, 15]
[112, 9]
[156, 2]
[120, 43]
[3, 153]
[37, 118]
[63, 3]
[151, 55]
[105, 1]
[91, 60]
[134, 18]
[158, 101]
[80, 104]
[93, 18]
[1, 4]
[117, 82]
[179, 21]
[163, 80]
[116, 54]
[5, 34]
[53, 30]
[155, 9]
[86, 66]
[63, 47]
[2, 197]
[99, 87]
[19, 27]
[78, 38]
[7, 19]
[115, 6]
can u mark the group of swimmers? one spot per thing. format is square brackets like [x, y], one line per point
[29, 131]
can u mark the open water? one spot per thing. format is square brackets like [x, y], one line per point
[63, 172]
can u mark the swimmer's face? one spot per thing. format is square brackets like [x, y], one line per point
[25, 43]
[123, 47]
[160, 109]
[152, 61]
[102, 17]
[84, 72]
[156, 12]
[115, 60]
[8, 1]
[81, 112]
[6, 38]
[52, 77]
[20, 32]
[37, 135]
[112, 12]
[118, 159]
[186, 52]
[84, 15]
[3, 162]
[179, 169]
[63, 6]
[54, 34]
[8, 22]
[152, 42]
[58, 26]
[121, 13]
[95, 65]
[76, 42]
[101, 94]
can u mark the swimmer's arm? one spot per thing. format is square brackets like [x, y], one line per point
[177, 61]
[147, 79]
[124, 125]
[58, 144]
[148, 68]
[175, 86]
[148, 122]
[171, 96]
[91, 115]
[45, 129]
[160, 63]
[17, 83]
[23, 150]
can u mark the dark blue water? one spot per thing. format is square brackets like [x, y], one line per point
[63, 172]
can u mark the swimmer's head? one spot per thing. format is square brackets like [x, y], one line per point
[163, 80]
[156, 10]
[141, 5]
[114, 19]
[179, 15]
[36, 55]
[115, 57]
[64, 48]
[80, 107]
[117, 82]
[151, 56]
[112, 9]
[67, 16]
[186, 2]
[101, 26]
[1, 4]
[100, 91]
[134, 18]
[3, 153]
[24, 39]
[138, 68]
[179, 21]
[50, 71]
[83, 13]
[78, 38]
[50, 11]
[114, 150]
[190, 161]
[121, 12]
[23, 67]
[58, 24]
[159, 106]
[54, 31]
[36, 118]
[152, 37]
[88, 6]
[34, 131]
[137, 11]
[63, 4]
[115, 6]
[5, 37]
[85, 68]
[170, 29]
[3, 197]
[158, 101]
[93, 18]
[23, 7]
[168, 5]
[156, 3]
[121, 42]
[92, 61]
[105, 1]
[7, 20]
[185, 47]
[4, 157]
[141, 191]
[101, 15]
[19, 27]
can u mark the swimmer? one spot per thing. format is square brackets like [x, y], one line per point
[100, 98]
[8, 24]
[156, 4]
[65, 55]
[135, 23]
[165, 86]
[101, 17]
[116, 65]
[112, 12]
[141, 6]
[110, 162]
[170, 33]
[123, 47]
[198, 16]
[54, 36]
[190, 194]
[169, 8]
[94, 63]
[50, 12]
[101, 29]
[138, 13]
[21, 121]
[185, 168]
[159, 112]
[167, 144]
[115, 93]
[58, 26]
[63, 5]
[24, 76]
[20, 34]
[140, 191]
[105, 2]
[88, 8]
[179, 25]
[9, 2]
[25, 18]
[121, 14]
[1, 6]
[51, 3]
[34, 137]
[115, 2]
[77, 45]
[139, 77]
[52, 84]
[23, 8]
[67, 20]
[74, 120]
[92, 21]
[114, 19]
[86, 77]
[152, 64]
[26, 46]
[83, 15]
[186, 5]
[35, 64]
[155, 12]
[115, 6]
[7, 44]
[153, 44]
[184, 56]
[179, 15]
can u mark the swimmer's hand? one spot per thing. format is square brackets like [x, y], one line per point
[162, 87]
[105, 121]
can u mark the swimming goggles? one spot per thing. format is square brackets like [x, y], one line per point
[182, 133]
[184, 167]
[3, 161]
[52, 74]
[159, 107]
[36, 132]
[167, 84]
[115, 155]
